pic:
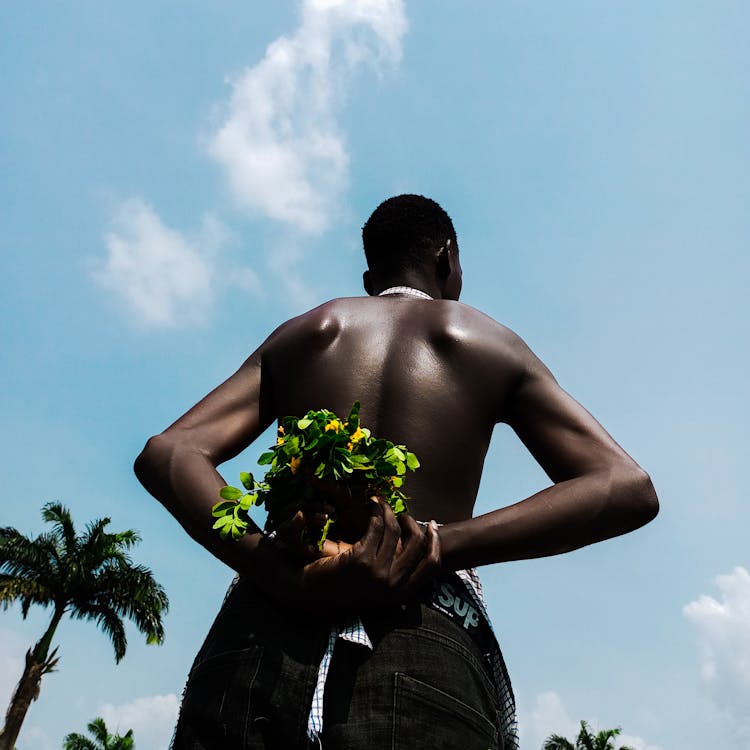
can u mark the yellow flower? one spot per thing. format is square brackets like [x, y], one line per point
[281, 430]
[294, 463]
[349, 446]
[279, 441]
[357, 436]
[334, 424]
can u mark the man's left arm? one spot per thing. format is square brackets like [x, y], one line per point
[599, 491]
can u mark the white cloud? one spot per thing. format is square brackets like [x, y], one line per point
[164, 278]
[284, 158]
[724, 633]
[151, 718]
[279, 144]
[549, 716]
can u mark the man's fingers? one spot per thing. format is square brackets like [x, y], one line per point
[370, 541]
[290, 530]
[331, 548]
[413, 548]
[409, 527]
[391, 535]
[291, 534]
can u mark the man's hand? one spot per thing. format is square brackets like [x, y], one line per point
[391, 561]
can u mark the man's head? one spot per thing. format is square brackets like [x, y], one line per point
[410, 239]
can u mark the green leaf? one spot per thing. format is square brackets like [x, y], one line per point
[291, 446]
[303, 424]
[230, 493]
[248, 500]
[353, 419]
[221, 509]
[266, 458]
[412, 461]
[223, 521]
[359, 460]
[248, 482]
[385, 469]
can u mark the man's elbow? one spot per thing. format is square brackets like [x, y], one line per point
[152, 460]
[641, 503]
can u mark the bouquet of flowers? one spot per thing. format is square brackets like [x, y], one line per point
[319, 461]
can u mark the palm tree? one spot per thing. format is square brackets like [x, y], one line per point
[603, 740]
[89, 576]
[103, 740]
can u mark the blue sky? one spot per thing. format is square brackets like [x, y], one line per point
[179, 178]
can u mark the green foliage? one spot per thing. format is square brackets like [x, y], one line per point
[89, 576]
[318, 447]
[586, 740]
[103, 740]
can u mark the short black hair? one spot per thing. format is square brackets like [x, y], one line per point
[403, 231]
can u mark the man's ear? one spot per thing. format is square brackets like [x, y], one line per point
[367, 281]
[443, 261]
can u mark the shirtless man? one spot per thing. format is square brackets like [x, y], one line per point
[431, 373]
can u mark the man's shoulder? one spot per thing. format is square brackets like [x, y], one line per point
[478, 328]
[319, 319]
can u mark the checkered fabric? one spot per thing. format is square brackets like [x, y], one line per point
[354, 632]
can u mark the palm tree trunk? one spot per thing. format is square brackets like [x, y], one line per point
[27, 690]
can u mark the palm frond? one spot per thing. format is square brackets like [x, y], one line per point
[132, 592]
[94, 543]
[557, 742]
[23, 590]
[108, 620]
[603, 739]
[64, 529]
[75, 741]
[33, 559]
[585, 739]
[98, 730]
[124, 742]
[128, 538]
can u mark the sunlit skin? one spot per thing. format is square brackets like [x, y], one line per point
[437, 376]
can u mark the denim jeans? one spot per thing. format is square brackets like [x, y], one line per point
[425, 684]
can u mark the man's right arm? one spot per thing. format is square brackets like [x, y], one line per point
[599, 491]
[179, 468]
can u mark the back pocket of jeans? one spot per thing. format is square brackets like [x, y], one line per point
[218, 698]
[425, 716]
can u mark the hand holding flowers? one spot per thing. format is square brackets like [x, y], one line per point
[321, 471]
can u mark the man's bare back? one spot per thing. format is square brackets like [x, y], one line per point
[433, 374]
[436, 375]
